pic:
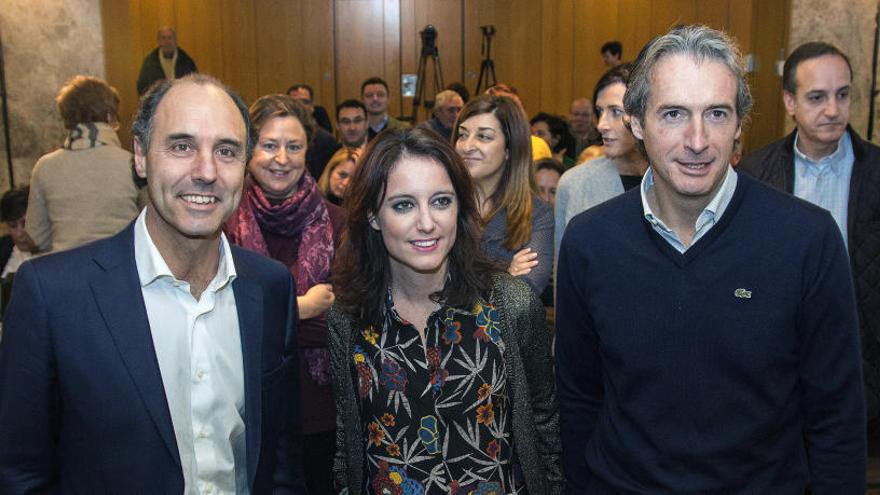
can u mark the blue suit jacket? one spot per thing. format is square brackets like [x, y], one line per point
[82, 404]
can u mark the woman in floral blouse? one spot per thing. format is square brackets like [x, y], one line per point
[442, 367]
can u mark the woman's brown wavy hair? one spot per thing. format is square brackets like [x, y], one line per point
[517, 182]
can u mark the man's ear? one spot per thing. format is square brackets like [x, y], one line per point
[140, 158]
[636, 126]
[374, 222]
[790, 102]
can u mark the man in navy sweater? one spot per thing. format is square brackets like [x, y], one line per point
[707, 337]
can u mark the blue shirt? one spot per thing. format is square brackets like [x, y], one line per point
[707, 218]
[825, 182]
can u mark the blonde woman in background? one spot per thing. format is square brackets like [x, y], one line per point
[337, 175]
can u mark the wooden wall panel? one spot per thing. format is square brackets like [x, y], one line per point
[516, 47]
[391, 55]
[557, 40]
[548, 49]
[740, 23]
[445, 16]
[587, 61]
[316, 44]
[476, 13]
[768, 115]
[121, 72]
[278, 36]
[633, 27]
[713, 13]
[239, 44]
[519, 49]
[199, 33]
[367, 43]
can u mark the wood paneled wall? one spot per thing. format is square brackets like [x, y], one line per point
[548, 49]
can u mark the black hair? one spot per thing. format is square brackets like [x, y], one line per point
[461, 90]
[807, 51]
[301, 86]
[374, 80]
[614, 47]
[350, 103]
[619, 74]
[550, 164]
[13, 204]
[558, 127]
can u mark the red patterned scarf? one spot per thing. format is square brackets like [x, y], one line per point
[303, 214]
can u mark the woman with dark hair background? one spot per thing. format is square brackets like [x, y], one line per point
[282, 215]
[620, 169]
[442, 367]
[337, 175]
[492, 137]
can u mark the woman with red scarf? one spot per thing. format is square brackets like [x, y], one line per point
[282, 215]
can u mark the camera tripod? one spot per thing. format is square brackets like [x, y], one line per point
[487, 67]
[432, 55]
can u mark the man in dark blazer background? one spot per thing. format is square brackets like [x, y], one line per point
[160, 360]
[826, 162]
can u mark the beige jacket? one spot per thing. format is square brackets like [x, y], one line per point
[81, 192]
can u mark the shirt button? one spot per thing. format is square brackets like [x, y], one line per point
[202, 434]
[200, 375]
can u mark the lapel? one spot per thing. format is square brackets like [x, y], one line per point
[117, 292]
[249, 304]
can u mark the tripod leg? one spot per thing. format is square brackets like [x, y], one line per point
[438, 76]
[480, 78]
[420, 88]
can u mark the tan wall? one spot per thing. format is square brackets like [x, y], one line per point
[44, 44]
[849, 25]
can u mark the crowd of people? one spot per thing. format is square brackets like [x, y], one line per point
[253, 302]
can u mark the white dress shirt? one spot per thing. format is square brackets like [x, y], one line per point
[15, 260]
[198, 347]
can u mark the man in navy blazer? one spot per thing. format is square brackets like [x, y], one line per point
[160, 360]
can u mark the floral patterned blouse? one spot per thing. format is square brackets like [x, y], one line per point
[436, 418]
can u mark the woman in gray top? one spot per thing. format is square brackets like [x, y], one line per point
[441, 367]
[492, 136]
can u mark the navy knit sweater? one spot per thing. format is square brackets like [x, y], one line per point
[731, 368]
